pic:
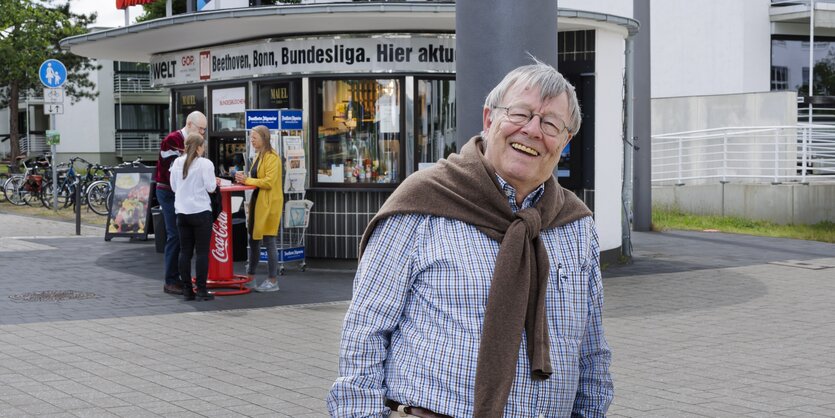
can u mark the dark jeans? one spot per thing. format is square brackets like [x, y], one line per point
[255, 256]
[172, 240]
[195, 233]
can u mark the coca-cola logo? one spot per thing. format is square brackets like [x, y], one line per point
[221, 235]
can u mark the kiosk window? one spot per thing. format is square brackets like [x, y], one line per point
[358, 132]
[228, 109]
[435, 130]
[279, 95]
[187, 101]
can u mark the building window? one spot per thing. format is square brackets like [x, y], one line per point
[280, 95]
[187, 101]
[132, 77]
[779, 78]
[576, 45]
[141, 117]
[227, 135]
[790, 64]
[435, 120]
[358, 133]
[228, 109]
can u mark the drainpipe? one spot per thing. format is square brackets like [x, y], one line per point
[628, 148]
[811, 56]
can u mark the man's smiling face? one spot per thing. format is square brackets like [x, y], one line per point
[522, 154]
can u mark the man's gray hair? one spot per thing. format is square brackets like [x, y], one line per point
[195, 116]
[550, 83]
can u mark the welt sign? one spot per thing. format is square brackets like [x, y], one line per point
[317, 55]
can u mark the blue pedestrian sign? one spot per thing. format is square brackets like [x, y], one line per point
[53, 73]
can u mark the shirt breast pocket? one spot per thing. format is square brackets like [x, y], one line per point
[569, 313]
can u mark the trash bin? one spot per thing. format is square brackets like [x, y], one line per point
[159, 228]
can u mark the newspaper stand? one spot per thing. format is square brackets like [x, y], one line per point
[287, 138]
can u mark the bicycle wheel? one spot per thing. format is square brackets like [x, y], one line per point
[3, 178]
[64, 199]
[14, 191]
[98, 195]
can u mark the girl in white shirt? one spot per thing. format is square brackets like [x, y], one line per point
[192, 179]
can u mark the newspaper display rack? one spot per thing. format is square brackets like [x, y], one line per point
[287, 138]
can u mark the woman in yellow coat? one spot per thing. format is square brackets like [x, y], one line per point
[265, 206]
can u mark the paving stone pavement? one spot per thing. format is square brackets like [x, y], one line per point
[702, 324]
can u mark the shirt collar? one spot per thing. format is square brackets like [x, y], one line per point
[510, 192]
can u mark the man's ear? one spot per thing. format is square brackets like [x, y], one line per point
[487, 119]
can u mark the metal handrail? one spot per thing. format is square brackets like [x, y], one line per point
[776, 154]
[133, 83]
[132, 142]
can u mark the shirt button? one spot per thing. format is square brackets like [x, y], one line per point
[508, 193]
[541, 415]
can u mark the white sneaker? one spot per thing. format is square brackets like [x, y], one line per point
[267, 286]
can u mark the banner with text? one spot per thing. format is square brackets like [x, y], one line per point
[377, 53]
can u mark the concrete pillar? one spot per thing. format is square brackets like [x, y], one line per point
[642, 163]
[493, 37]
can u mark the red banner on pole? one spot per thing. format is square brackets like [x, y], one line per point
[123, 4]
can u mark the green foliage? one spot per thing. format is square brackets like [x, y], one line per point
[670, 219]
[156, 10]
[30, 34]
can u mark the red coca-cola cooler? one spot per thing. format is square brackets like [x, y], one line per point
[221, 258]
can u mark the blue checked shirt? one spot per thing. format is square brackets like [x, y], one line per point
[413, 329]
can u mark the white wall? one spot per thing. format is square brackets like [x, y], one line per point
[79, 125]
[679, 114]
[608, 153]
[88, 125]
[710, 47]
[107, 109]
[613, 7]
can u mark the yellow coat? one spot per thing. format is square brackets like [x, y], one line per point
[270, 201]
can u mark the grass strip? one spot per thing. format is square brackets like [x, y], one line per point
[663, 220]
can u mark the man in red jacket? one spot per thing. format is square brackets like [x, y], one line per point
[169, 149]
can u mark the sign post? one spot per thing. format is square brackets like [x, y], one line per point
[53, 75]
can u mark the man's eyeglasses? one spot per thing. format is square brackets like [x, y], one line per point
[201, 129]
[520, 116]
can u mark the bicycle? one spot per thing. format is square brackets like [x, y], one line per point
[66, 186]
[23, 189]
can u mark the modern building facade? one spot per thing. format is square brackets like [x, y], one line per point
[376, 81]
[125, 121]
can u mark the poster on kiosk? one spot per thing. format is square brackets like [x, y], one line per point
[286, 137]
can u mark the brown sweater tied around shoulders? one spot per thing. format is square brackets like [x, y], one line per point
[464, 187]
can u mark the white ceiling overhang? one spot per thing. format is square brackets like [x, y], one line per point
[137, 42]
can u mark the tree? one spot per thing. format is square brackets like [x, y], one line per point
[156, 9]
[30, 31]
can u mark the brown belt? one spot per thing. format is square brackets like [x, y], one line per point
[413, 410]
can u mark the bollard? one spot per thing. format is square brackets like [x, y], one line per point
[77, 209]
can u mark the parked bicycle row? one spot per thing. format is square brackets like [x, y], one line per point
[33, 185]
